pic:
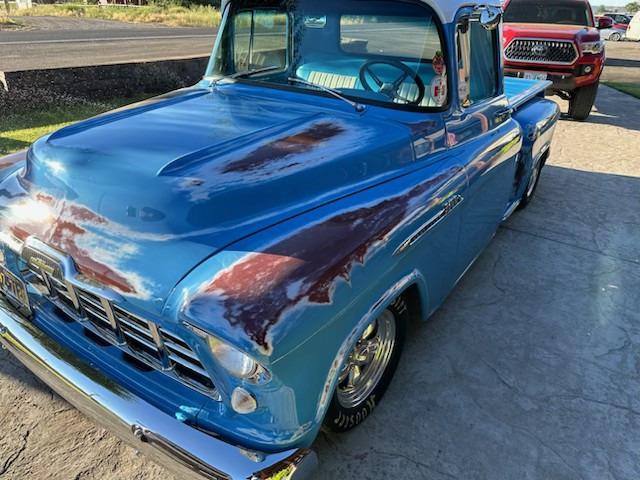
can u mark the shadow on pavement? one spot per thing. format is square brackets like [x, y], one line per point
[531, 361]
[622, 62]
[617, 109]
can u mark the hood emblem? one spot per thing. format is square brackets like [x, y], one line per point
[540, 50]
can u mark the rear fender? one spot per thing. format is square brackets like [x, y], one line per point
[538, 119]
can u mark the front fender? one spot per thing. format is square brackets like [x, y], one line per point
[12, 163]
[296, 296]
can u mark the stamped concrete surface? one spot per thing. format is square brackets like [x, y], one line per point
[530, 370]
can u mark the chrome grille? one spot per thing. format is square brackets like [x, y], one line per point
[541, 51]
[134, 335]
[184, 361]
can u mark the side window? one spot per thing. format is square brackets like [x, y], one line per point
[477, 62]
[260, 39]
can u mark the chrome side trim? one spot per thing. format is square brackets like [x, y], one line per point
[449, 206]
[512, 208]
[186, 451]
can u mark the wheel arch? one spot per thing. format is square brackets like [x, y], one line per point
[413, 289]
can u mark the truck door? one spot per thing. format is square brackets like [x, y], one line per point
[481, 133]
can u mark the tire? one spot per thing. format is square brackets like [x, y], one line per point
[582, 102]
[349, 406]
[532, 185]
[615, 37]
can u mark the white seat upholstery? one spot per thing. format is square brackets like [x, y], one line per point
[334, 80]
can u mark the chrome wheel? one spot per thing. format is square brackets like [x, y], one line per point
[367, 361]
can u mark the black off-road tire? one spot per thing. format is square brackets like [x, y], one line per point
[582, 102]
[340, 419]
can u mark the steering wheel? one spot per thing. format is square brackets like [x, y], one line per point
[390, 89]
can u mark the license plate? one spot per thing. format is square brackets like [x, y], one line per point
[13, 287]
[534, 76]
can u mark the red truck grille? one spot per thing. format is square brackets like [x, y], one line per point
[541, 51]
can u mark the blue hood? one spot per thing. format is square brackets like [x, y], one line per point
[141, 196]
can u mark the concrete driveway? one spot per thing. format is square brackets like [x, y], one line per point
[530, 370]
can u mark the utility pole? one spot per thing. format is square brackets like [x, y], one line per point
[6, 6]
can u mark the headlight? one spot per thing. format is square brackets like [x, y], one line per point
[237, 363]
[592, 47]
[233, 360]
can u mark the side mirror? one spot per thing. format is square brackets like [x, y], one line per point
[604, 23]
[490, 16]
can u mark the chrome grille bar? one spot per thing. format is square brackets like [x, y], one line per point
[138, 337]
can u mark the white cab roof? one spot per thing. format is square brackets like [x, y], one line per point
[446, 9]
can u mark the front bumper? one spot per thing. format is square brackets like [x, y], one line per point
[187, 452]
[563, 80]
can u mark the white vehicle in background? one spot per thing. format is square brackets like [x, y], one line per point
[633, 32]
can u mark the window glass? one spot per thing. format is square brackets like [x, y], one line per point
[477, 62]
[383, 51]
[412, 37]
[566, 12]
[259, 39]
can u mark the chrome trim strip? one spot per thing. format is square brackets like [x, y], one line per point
[189, 453]
[575, 49]
[447, 208]
[512, 208]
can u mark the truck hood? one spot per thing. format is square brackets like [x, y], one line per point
[139, 197]
[550, 31]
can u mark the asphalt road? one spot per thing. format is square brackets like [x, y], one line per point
[529, 371]
[56, 42]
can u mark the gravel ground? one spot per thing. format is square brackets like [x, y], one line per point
[529, 371]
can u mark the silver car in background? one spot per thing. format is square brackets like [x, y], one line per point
[613, 34]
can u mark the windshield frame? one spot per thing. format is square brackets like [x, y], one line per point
[215, 78]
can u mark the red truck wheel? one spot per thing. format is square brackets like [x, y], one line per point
[582, 102]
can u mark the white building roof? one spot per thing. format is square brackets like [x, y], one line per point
[446, 9]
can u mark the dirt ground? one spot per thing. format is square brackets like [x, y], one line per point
[529, 371]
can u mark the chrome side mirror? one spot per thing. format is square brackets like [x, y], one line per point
[490, 16]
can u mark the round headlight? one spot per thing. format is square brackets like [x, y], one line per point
[233, 360]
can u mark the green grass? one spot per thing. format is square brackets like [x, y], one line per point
[7, 23]
[632, 89]
[194, 16]
[19, 130]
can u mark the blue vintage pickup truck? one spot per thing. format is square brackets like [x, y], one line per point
[218, 273]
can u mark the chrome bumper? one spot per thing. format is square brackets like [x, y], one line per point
[187, 452]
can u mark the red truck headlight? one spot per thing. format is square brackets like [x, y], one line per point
[595, 48]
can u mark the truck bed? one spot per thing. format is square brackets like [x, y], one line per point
[519, 91]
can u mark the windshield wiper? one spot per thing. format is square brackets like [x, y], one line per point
[357, 106]
[251, 73]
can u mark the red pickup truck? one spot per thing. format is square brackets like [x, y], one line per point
[556, 40]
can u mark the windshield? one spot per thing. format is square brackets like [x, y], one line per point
[380, 51]
[559, 12]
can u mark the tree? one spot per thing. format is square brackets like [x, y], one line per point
[601, 9]
[633, 7]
